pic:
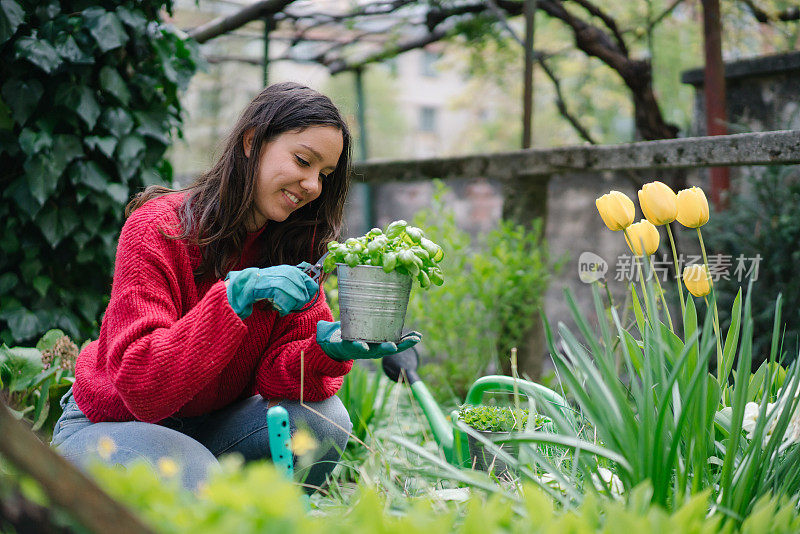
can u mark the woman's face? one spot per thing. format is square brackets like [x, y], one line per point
[292, 169]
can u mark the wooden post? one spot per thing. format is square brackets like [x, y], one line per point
[64, 484]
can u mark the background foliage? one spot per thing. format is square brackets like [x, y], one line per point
[493, 286]
[764, 221]
[88, 101]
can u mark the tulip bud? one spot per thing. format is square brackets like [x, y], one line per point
[642, 234]
[616, 209]
[692, 207]
[659, 203]
[697, 280]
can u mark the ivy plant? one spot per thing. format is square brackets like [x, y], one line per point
[88, 104]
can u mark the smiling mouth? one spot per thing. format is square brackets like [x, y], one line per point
[291, 197]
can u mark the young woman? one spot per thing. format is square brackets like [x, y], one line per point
[211, 317]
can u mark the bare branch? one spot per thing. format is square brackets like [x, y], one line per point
[339, 65]
[561, 103]
[664, 14]
[221, 25]
[790, 13]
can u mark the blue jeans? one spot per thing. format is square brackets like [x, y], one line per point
[195, 443]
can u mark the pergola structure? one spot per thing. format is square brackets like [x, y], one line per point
[385, 29]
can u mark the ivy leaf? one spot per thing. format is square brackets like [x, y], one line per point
[22, 96]
[106, 144]
[129, 148]
[33, 141]
[153, 124]
[90, 174]
[41, 284]
[23, 324]
[112, 83]
[21, 193]
[65, 149]
[39, 52]
[105, 27]
[117, 122]
[11, 16]
[133, 19]
[68, 49]
[79, 98]
[42, 177]
[7, 282]
[119, 193]
[55, 224]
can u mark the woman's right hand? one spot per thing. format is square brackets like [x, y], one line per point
[286, 287]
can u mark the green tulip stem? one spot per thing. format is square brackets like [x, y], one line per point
[714, 301]
[661, 292]
[641, 277]
[677, 269]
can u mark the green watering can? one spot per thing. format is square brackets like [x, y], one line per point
[453, 441]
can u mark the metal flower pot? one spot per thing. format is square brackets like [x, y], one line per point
[372, 303]
[485, 460]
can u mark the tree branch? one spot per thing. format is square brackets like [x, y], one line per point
[610, 23]
[790, 13]
[561, 104]
[339, 65]
[222, 25]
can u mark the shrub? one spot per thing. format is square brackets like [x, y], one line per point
[765, 222]
[33, 380]
[493, 288]
[88, 99]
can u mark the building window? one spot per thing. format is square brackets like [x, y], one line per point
[428, 65]
[427, 119]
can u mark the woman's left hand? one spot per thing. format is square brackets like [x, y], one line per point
[329, 337]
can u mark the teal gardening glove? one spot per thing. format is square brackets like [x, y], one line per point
[286, 287]
[329, 337]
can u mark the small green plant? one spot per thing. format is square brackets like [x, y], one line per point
[498, 418]
[33, 379]
[400, 248]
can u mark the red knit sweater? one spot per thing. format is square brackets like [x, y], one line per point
[169, 346]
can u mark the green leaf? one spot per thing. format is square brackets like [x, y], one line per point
[153, 124]
[20, 191]
[33, 141]
[129, 148]
[81, 100]
[105, 27]
[7, 282]
[90, 174]
[118, 192]
[68, 49]
[112, 83]
[48, 340]
[19, 366]
[134, 19]
[106, 144]
[56, 224]
[11, 16]
[22, 96]
[42, 177]
[41, 284]
[117, 122]
[23, 323]
[39, 52]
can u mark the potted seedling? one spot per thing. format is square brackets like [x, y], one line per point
[494, 422]
[375, 274]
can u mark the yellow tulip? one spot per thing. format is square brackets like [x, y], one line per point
[692, 207]
[659, 203]
[616, 209]
[696, 280]
[642, 233]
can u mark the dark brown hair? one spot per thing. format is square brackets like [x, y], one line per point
[219, 203]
